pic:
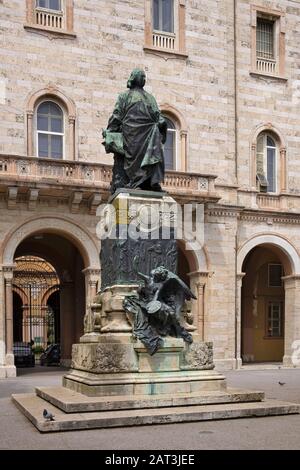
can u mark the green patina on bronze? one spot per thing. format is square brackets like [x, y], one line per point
[135, 134]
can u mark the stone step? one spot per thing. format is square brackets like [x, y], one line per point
[32, 406]
[73, 402]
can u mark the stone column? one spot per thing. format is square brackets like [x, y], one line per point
[198, 283]
[238, 319]
[283, 169]
[183, 139]
[92, 280]
[71, 155]
[8, 331]
[2, 325]
[291, 356]
[30, 150]
[253, 166]
[200, 300]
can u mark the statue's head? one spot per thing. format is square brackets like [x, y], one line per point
[159, 274]
[137, 79]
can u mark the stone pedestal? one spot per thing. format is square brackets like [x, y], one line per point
[140, 228]
[117, 365]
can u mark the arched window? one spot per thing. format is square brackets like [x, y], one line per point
[170, 146]
[50, 130]
[266, 163]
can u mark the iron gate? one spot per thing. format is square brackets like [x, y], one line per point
[35, 281]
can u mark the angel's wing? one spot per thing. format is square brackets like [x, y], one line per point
[177, 284]
[175, 290]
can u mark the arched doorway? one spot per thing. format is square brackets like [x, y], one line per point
[74, 254]
[49, 270]
[263, 304]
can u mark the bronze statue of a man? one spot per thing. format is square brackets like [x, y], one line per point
[135, 134]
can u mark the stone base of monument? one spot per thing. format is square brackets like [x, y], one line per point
[177, 384]
[113, 380]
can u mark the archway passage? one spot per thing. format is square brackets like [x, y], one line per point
[49, 291]
[34, 319]
[263, 305]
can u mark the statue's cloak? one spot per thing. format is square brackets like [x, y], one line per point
[137, 117]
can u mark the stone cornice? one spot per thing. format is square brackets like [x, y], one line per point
[270, 217]
[223, 210]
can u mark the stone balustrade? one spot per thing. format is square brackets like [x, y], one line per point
[49, 18]
[94, 175]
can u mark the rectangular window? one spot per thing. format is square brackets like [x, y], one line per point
[165, 27]
[268, 41]
[43, 145]
[170, 150]
[271, 170]
[49, 4]
[54, 16]
[163, 15]
[265, 39]
[274, 321]
[50, 146]
[275, 274]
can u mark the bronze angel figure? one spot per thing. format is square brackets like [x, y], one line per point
[157, 309]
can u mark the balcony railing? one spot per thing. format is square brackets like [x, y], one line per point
[266, 66]
[163, 41]
[97, 176]
[267, 201]
[49, 18]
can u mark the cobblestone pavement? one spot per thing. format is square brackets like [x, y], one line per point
[282, 432]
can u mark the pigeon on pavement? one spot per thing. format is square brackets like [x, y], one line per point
[281, 383]
[48, 416]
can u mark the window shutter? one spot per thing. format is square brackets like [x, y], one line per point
[260, 176]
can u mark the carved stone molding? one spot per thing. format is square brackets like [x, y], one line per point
[75, 201]
[12, 194]
[197, 356]
[8, 271]
[223, 212]
[275, 218]
[33, 195]
[94, 202]
[104, 358]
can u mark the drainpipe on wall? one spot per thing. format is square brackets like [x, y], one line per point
[235, 87]
[236, 306]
